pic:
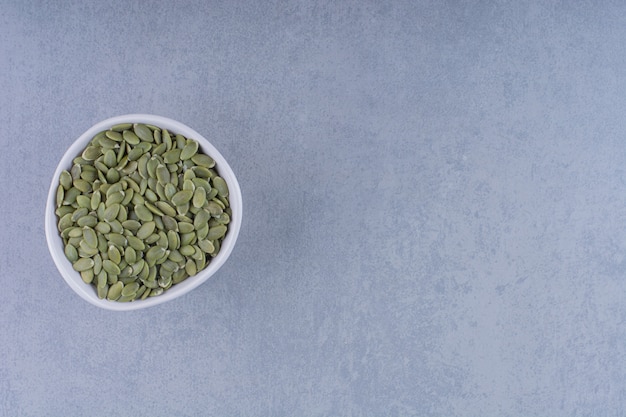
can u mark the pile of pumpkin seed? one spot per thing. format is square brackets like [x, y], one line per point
[140, 210]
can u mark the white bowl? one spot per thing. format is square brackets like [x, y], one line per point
[55, 243]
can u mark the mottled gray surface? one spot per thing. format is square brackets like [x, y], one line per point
[434, 221]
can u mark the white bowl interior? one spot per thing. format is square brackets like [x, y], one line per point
[55, 243]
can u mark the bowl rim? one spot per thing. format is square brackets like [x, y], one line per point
[55, 244]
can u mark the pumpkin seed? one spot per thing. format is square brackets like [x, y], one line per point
[114, 255]
[135, 154]
[143, 132]
[83, 264]
[115, 291]
[71, 253]
[189, 150]
[110, 267]
[90, 237]
[199, 197]
[182, 197]
[87, 220]
[203, 160]
[87, 276]
[130, 289]
[173, 240]
[206, 246]
[65, 179]
[120, 127]
[111, 212]
[216, 232]
[190, 268]
[135, 243]
[184, 227]
[220, 184]
[146, 230]
[117, 239]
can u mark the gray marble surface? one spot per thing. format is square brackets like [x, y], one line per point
[435, 208]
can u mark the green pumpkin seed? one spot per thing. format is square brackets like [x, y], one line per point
[166, 208]
[114, 255]
[169, 223]
[130, 289]
[162, 174]
[203, 160]
[153, 209]
[216, 232]
[190, 268]
[87, 276]
[75, 232]
[103, 227]
[111, 212]
[80, 212]
[115, 291]
[91, 153]
[116, 226]
[136, 243]
[83, 201]
[173, 240]
[70, 196]
[89, 175]
[110, 267]
[143, 213]
[183, 209]
[65, 179]
[179, 276]
[175, 255]
[143, 132]
[202, 217]
[162, 241]
[59, 196]
[87, 220]
[220, 184]
[189, 150]
[188, 184]
[171, 156]
[90, 237]
[63, 210]
[130, 137]
[153, 238]
[146, 230]
[203, 231]
[71, 253]
[182, 197]
[65, 222]
[180, 141]
[95, 200]
[151, 195]
[135, 154]
[153, 254]
[199, 197]
[75, 171]
[184, 227]
[187, 250]
[156, 292]
[117, 239]
[97, 264]
[159, 149]
[120, 127]
[83, 264]
[132, 225]
[206, 246]
[202, 172]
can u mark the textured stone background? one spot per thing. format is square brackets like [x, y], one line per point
[434, 207]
